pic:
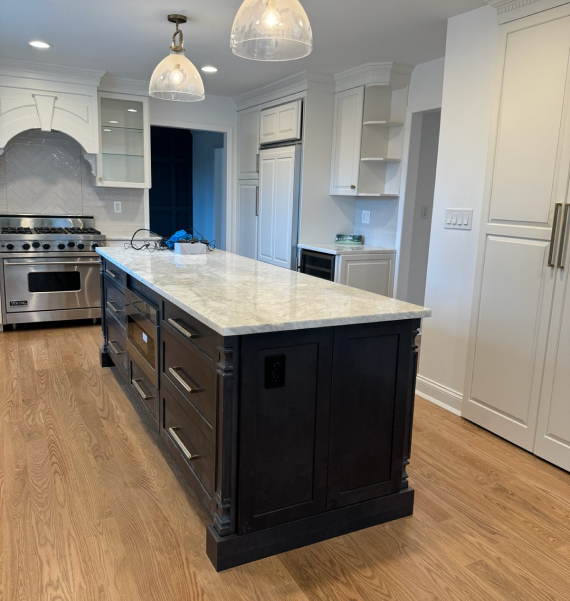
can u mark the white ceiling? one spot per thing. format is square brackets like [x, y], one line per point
[127, 38]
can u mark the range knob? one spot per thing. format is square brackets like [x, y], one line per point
[81, 246]
[95, 245]
[61, 246]
[36, 244]
[10, 246]
[46, 245]
[71, 244]
[26, 246]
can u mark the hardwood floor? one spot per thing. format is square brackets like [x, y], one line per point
[89, 510]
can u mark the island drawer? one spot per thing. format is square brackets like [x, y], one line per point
[116, 275]
[145, 392]
[116, 342]
[115, 304]
[190, 448]
[189, 329]
[190, 372]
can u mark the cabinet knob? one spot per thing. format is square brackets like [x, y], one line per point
[353, 187]
[100, 179]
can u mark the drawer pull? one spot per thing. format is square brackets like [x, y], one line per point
[113, 275]
[111, 305]
[115, 350]
[181, 446]
[181, 329]
[141, 392]
[182, 381]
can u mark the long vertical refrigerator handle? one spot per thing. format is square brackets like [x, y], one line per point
[557, 209]
[563, 237]
[257, 201]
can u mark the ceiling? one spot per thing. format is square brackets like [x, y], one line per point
[127, 38]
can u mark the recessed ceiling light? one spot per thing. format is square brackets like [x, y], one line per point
[40, 44]
[209, 69]
[132, 110]
[113, 121]
[106, 129]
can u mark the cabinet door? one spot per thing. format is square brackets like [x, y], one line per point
[371, 379]
[371, 272]
[281, 123]
[553, 428]
[277, 223]
[247, 219]
[347, 138]
[526, 181]
[124, 160]
[248, 143]
[284, 421]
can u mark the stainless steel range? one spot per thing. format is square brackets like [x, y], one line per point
[49, 270]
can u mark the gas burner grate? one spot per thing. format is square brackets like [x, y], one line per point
[15, 230]
[67, 230]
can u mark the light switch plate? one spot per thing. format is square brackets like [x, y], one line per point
[117, 206]
[458, 219]
[365, 216]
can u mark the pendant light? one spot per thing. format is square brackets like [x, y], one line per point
[271, 30]
[175, 77]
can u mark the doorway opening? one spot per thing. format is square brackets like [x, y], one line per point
[418, 208]
[188, 183]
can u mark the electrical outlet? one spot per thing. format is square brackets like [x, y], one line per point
[365, 216]
[117, 206]
[458, 219]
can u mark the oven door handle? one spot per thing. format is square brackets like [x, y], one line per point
[76, 263]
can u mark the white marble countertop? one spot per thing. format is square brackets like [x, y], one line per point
[235, 296]
[346, 249]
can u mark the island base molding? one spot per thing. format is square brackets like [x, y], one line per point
[232, 551]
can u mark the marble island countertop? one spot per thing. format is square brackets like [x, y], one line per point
[235, 296]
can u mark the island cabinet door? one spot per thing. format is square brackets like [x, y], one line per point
[284, 420]
[369, 409]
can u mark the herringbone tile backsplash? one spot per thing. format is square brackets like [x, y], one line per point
[45, 173]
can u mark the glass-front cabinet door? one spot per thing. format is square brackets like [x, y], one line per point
[124, 160]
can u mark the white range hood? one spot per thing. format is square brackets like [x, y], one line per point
[47, 97]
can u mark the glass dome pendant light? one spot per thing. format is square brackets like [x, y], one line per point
[271, 30]
[175, 77]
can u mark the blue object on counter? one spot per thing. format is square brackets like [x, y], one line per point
[179, 235]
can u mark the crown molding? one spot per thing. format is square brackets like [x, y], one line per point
[294, 84]
[123, 86]
[12, 67]
[510, 10]
[396, 74]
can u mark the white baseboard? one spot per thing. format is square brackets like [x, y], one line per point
[439, 395]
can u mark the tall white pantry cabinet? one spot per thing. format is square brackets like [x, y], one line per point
[518, 376]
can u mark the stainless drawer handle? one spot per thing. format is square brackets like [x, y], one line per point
[181, 446]
[182, 381]
[112, 346]
[111, 305]
[563, 239]
[34, 263]
[181, 329]
[141, 392]
[557, 210]
[111, 273]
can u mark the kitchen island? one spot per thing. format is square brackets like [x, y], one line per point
[286, 401]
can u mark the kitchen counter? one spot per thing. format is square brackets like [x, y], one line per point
[346, 249]
[234, 295]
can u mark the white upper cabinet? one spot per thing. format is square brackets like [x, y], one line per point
[347, 136]
[280, 123]
[368, 141]
[124, 157]
[248, 143]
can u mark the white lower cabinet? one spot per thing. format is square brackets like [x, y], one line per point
[374, 273]
[248, 198]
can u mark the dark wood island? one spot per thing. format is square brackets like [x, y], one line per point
[286, 401]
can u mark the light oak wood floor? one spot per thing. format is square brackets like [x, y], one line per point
[91, 510]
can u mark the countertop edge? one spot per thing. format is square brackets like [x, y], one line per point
[268, 328]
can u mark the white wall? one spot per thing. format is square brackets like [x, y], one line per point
[464, 137]
[425, 88]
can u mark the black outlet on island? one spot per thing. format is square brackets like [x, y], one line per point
[275, 371]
